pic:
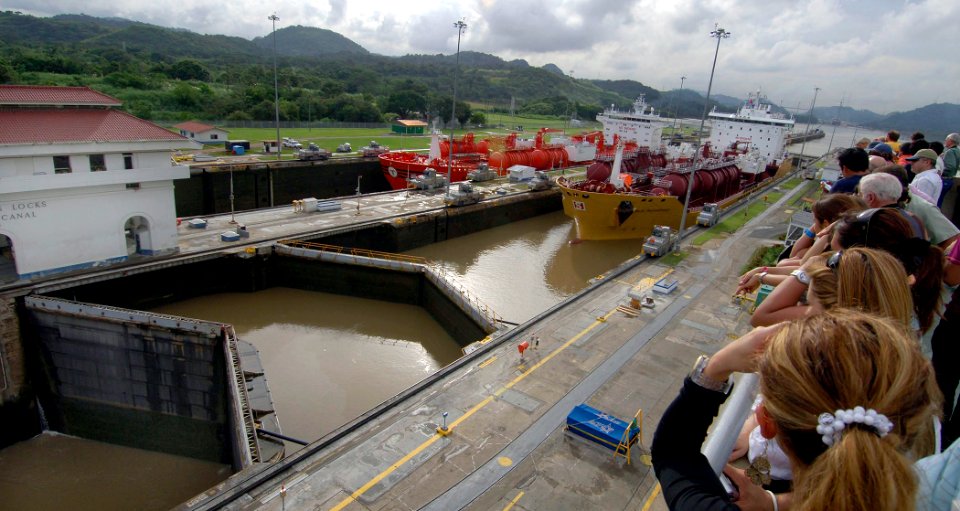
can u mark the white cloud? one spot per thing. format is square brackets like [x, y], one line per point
[882, 55]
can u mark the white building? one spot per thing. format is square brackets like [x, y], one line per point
[755, 125]
[82, 183]
[203, 133]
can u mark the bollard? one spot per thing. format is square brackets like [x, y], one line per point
[443, 430]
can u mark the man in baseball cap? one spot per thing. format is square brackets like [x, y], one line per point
[927, 183]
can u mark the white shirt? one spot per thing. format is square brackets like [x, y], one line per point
[927, 185]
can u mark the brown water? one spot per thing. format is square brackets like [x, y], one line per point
[524, 268]
[56, 472]
[328, 359]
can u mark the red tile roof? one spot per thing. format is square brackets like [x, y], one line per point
[47, 126]
[50, 95]
[194, 126]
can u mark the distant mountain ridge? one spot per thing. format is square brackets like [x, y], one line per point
[320, 57]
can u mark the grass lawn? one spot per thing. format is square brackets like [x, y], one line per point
[330, 138]
[673, 258]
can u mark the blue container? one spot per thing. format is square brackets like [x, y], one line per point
[238, 150]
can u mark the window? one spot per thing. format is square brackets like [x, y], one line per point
[133, 186]
[214, 136]
[128, 161]
[97, 163]
[61, 165]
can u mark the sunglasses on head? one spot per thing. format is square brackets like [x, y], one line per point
[834, 262]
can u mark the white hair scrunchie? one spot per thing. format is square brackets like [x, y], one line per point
[831, 426]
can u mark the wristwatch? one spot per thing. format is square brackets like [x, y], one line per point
[801, 276]
[761, 275]
[702, 380]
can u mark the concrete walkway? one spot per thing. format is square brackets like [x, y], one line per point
[506, 447]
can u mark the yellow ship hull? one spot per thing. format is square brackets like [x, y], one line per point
[617, 216]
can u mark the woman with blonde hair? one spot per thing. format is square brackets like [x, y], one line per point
[847, 394]
[858, 278]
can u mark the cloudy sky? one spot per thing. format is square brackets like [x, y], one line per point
[881, 55]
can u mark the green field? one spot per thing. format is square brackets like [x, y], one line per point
[330, 138]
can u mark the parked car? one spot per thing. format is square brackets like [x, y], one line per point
[289, 142]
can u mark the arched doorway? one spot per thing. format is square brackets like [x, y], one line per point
[8, 260]
[136, 232]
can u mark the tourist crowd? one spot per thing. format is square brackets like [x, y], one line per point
[856, 344]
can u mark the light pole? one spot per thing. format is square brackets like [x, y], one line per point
[358, 193]
[232, 219]
[836, 121]
[673, 100]
[460, 25]
[809, 117]
[720, 34]
[276, 91]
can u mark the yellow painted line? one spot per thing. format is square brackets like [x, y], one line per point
[514, 501]
[379, 477]
[653, 495]
[488, 361]
[427, 443]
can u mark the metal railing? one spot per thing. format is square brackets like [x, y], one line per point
[727, 427]
[362, 252]
[242, 405]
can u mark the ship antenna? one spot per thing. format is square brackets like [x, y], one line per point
[720, 34]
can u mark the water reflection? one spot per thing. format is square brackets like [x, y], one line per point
[526, 267]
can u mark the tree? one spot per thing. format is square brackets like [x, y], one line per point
[189, 69]
[478, 118]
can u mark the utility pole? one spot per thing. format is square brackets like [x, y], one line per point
[720, 34]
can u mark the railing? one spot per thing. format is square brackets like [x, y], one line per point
[727, 427]
[362, 252]
[252, 454]
[469, 302]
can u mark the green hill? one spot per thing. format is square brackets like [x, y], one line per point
[299, 41]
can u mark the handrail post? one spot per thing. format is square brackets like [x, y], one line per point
[727, 427]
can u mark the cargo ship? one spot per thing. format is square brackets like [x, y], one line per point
[499, 153]
[640, 188]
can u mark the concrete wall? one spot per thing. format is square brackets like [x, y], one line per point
[132, 382]
[18, 413]
[423, 229]
[208, 189]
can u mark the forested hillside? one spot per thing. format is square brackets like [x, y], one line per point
[173, 74]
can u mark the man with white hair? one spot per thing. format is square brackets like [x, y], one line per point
[887, 188]
[951, 162]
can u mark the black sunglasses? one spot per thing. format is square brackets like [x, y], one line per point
[834, 262]
[863, 218]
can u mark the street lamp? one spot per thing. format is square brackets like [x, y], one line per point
[678, 98]
[276, 91]
[460, 25]
[358, 193]
[809, 117]
[720, 34]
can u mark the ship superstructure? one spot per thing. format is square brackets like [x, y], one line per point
[754, 124]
